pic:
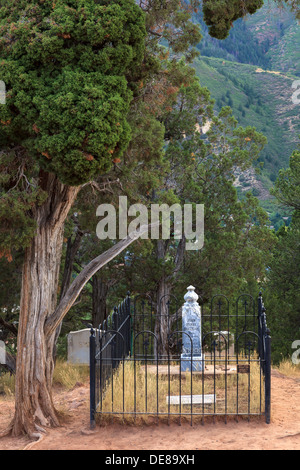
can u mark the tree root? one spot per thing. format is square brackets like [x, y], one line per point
[7, 431]
[32, 444]
[37, 436]
[289, 435]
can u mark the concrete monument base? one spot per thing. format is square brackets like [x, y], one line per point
[195, 365]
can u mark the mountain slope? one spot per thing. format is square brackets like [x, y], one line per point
[253, 71]
[259, 98]
[270, 39]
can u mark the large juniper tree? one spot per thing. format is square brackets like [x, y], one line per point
[69, 69]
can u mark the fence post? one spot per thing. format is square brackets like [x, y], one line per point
[92, 379]
[129, 325]
[260, 339]
[268, 376]
[114, 343]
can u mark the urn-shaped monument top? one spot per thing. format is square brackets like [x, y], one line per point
[191, 295]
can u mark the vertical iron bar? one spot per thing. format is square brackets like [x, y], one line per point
[249, 384]
[219, 339]
[157, 406]
[268, 377]
[180, 376]
[143, 336]
[214, 344]
[245, 327]
[128, 325]
[211, 324]
[112, 390]
[169, 385]
[202, 385]
[226, 365]
[259, 318]
[123, 385]
[100, 368]
[192, 353]
[146, 377]
[134, 381]
[237, 380]
[92, 379]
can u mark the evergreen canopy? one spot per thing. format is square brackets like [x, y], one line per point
[66, 69]
[219, 15]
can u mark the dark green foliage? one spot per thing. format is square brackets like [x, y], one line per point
[19, 194]
[64, 65]
[169, 21]
[284, 275]
[219, 15]
[241, 45]
[288, 183]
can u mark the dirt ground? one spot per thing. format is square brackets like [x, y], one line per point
[282, 434]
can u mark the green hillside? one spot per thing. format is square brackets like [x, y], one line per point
[285, 55]
[258, 98]
[270, 39]
[279, 31]
[252, 71]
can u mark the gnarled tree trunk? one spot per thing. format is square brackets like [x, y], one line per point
[34, 405]
[164, 320]
[40, 316]
[162, 325]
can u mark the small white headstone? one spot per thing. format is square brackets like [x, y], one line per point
[79, 347]
[2, 353]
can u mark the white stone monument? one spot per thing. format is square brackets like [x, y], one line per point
[191, 357]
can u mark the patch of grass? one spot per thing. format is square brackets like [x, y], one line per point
[145, 395]
[289, 369]
[7, 385]
[67, 375]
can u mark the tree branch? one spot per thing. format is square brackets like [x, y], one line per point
[81, 280]
[9, 326]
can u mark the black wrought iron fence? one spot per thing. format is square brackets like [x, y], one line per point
[133, 374]
[109, 345]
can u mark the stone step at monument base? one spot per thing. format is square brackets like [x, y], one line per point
[191, 399]
[197, 364]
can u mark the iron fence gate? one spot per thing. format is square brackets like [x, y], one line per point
[133, 375]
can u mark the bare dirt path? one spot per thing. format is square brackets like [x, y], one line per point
[282, 434]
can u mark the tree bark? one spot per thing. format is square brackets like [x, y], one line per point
[162, 319]
[162, 296]
[34, 408]
[99, 296]
[165, 285]
[72, 249]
